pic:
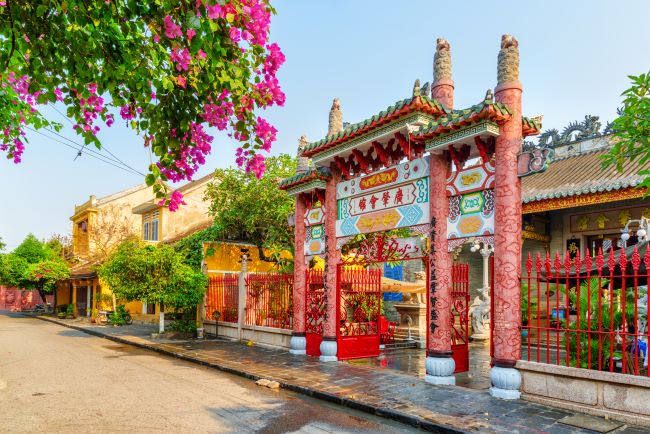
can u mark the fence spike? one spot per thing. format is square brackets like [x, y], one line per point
[636, 259]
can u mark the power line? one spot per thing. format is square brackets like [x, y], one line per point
[103, 146]
[97, 156]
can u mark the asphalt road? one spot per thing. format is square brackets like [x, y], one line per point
[54, 379]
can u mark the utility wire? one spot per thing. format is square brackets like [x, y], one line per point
[97, 156]
[103, 146]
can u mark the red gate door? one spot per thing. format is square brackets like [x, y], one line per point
[314, 311]
[460, 316]
[358, 310]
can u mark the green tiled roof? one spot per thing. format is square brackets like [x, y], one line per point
[300, 178]
[485, 109]
[532, 123]
[427, 103]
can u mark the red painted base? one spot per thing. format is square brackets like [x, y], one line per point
[313, 344]
[460, 354]
[357, 347]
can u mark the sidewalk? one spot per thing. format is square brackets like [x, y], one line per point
[382, 392]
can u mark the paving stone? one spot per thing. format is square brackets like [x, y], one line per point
[367, 386]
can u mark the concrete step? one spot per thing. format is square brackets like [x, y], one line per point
[400, 345]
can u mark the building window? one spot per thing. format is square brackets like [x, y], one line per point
[154, 226]
[151, 226]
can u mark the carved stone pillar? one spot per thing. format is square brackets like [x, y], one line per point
[507, 229]
[439, 364]
[298, 341]
[442, 89]
[328, 347]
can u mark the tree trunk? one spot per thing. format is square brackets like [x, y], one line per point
[114, 303]
[42, 294]
[161, 315]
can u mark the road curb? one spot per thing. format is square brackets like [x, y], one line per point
[384, 412]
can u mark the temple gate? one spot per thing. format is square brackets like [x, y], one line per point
[422, 166]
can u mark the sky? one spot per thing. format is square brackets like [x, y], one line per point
[575, 59]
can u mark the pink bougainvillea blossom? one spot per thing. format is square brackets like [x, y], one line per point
[214, 11]
[182, 58]
[190, 34]
[172, 30]
[266, 132]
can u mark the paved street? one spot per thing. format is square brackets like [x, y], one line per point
[54, 379]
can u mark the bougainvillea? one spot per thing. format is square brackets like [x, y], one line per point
[168, 69]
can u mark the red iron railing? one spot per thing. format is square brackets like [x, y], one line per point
[587, 312]
[460, 316]
[222, 295]
[269, 300]
[360, 301]
[315, 303]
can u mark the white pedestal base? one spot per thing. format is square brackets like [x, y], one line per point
[328, 351]
[505, 383]
[298, 346]
[440, 370]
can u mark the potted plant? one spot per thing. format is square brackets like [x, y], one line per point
[70, 311]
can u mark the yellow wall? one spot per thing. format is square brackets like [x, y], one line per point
[226, 258]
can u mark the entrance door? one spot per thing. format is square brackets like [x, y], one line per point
[460, 316]
[82, 300]
[314, 311]
[358, 311]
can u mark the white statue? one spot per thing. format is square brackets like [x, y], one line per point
[480, 311]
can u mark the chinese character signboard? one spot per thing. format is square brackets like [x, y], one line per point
[471, 202]
[314, 242]
[394, 198]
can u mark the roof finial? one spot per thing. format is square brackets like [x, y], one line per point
[416, 88]
[336, 119]
[442, 88]
[442, 61]
[508, 61]
[489, 96]
[302, 164]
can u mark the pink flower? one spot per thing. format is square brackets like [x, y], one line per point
[274, 60]
[181, 58]
[58, 94]
[201, 54]
[214, 11]
[234, 34]
[156, 38]
[172, 30]
[266, 132]
[26, 38]
[190, 34]
[181, 81]
[92, 87]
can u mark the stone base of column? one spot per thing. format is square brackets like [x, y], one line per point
[480, 337]
[328, 349]
[506, 382]
[298, 344]
[440, 370]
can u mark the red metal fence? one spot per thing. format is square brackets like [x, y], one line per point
[460, 316]
[269, 298]
[358, 311]
[587, 312]
[223, 296]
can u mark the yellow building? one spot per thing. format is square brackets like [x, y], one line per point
[98, 226]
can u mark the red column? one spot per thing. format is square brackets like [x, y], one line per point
[439, 364]
[443, 92]
[507, 231]
[298, 342]
[328, 347]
